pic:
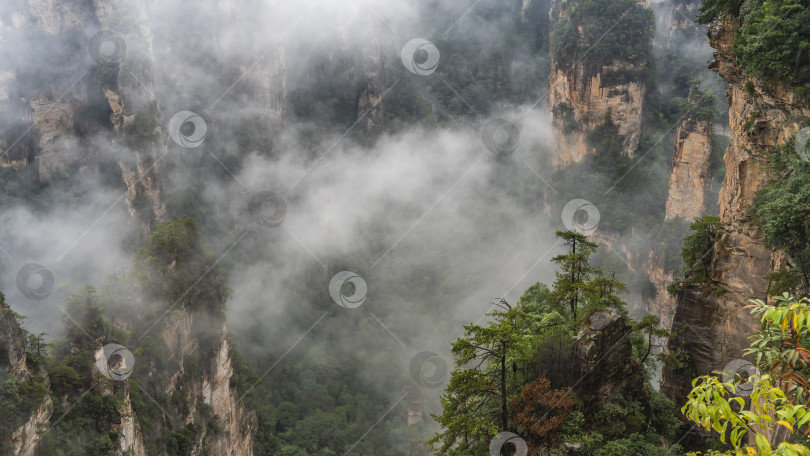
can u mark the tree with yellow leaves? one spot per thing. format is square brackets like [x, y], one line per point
[777, 418]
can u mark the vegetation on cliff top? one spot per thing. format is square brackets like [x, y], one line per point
[518, 373]
[765, 414]
[20, 396]
[701, 104]
[89, 408]
[697, 254]
[773, 41]
[581, 34]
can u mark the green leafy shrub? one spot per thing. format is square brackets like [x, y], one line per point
[710, 10]
[701, 104]
[696, 253]
[628, 44]
[781, 211]
[773, 41]
[778, 397]
[173, 266]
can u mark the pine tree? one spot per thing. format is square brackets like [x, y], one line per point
[475, 404]
[575, 270]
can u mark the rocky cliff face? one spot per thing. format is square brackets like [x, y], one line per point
[184, 369]
[128, 90]
[25, 438]
[759, 121]
[713, 328]
[356, 82]
[46, 115]
[201, 341]
[13, 357]
[579, 100]
[50, 114]
[135, 111]
[130, 430]
[63, 124]
[662, 304]
[604, 355]
[689, 178]
[371, 82]
[673, 22]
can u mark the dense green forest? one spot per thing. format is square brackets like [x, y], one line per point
[773, 38]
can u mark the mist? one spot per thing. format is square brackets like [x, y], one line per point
[436, 223]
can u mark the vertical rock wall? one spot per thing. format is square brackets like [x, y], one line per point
[579, 100]
[588, 101]
[45, 115]
[13, 362]
[689, 178]
[52, 125]
[713, 327]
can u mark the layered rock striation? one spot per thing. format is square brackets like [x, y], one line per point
[689, 177]
[581, 94]
[713, 326]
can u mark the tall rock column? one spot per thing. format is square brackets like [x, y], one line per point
[578, 103]
[689, 178]
[714, 328]
[585, 85]
[127, 79]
